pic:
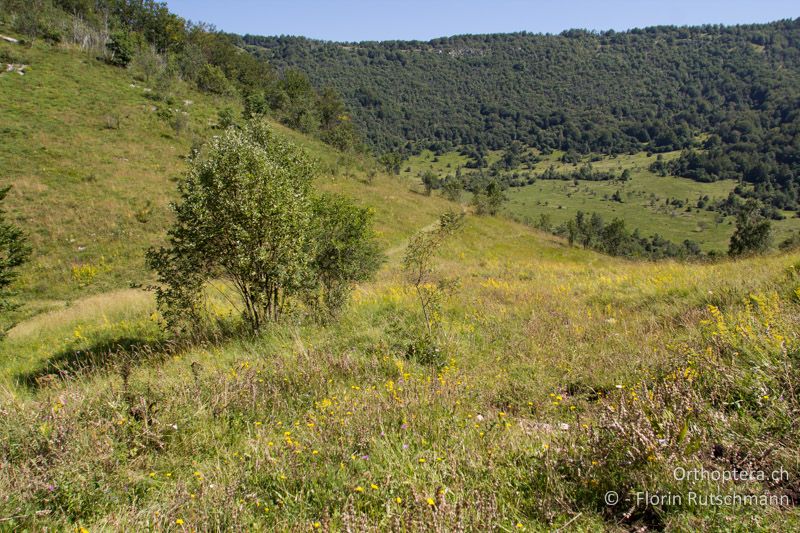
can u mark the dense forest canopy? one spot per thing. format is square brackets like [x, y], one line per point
[727, 95]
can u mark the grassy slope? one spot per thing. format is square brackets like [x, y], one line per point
[308, 424]
[644, 198]
[95, 197]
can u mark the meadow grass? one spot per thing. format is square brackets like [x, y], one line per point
[644, 206]
[561, 373]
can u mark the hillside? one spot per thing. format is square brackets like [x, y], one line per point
[656, 89]
[560, 374]
[674, 208]
[93, 158]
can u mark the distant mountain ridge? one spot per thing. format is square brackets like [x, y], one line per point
[657, 89]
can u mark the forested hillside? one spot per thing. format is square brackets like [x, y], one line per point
[727, 95]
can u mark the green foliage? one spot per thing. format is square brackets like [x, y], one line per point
[211, 79]
[14, 252]
[419, 269]
[343, 252]
[391, 162]
[226, 117]
[430, 181]
[753, 231]
[490, 200]
[652, 89]
[122, 46]
[452, 188]
[615, 239]
[246, 216]
[243, 215]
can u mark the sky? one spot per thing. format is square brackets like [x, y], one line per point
[360, 20]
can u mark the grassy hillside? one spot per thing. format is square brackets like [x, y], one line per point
[563, 374]
[645, 197]
[93, 156]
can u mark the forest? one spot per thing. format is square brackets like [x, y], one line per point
[726, 95]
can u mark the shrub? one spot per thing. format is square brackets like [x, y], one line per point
[122, 46]
[14, 252]
[247, 216]
[752, 235]
[212, 80]
[343, 252]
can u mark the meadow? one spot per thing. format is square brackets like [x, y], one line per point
[644, 203]
[563, 374]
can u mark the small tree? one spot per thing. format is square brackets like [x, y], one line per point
[418, 265]
[211, 79]
[391, 162]
[753, 231]
[452, 188]
[490, 201]
[343, 252]
[430, 181]
[246, 215]
[14, 252]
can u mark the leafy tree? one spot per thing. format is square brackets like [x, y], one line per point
[246, 215]
[491, 200]
[430, 181]
[391, 162]
[122, 46]
[211, 79]
[452, 188]
[753, 231]
[343, 252]
[14, 252]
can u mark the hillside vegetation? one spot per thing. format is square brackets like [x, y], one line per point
[557, 374]
[674, 208]
[656, 89]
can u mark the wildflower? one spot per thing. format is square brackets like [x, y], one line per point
[421, 460]
[359, 489]
[317, 525]
[179, 521]
[398, 499]
[431, 502]
[374, 486]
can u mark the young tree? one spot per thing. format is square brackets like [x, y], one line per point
[753, 231]
[343, 252]
[430, 181]
[391, 162]
[452, 188]
[490, 201]
[14, 252]
[246, 215]
[418, 265]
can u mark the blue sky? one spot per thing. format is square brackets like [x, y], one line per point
[357, 20]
